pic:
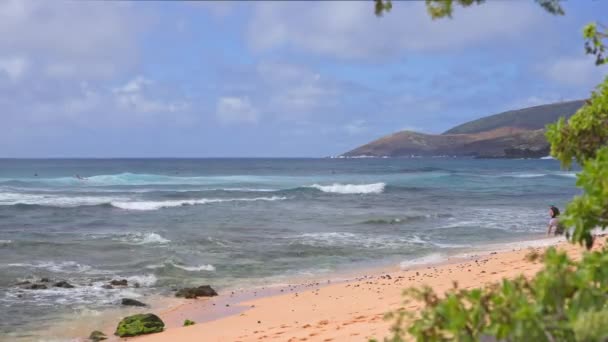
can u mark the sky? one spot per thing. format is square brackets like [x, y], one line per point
[271, 79]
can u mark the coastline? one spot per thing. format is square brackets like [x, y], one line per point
[340, 308]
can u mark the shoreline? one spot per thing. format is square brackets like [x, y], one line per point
[232, 307]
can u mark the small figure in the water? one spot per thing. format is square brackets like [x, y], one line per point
[36, 174]
[79, 177]
[554, 224]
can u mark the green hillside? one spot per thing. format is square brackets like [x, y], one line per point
[531, 118]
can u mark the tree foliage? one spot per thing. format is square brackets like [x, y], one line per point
[584, 138]
[594, 42]
[567, 300]
[444, 8]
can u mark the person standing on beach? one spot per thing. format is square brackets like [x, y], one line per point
[554, 223]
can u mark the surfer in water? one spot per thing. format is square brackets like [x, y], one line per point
[79, 177]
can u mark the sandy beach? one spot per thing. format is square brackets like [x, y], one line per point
[349, 310]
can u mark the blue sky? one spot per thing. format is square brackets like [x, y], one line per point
[271, 79]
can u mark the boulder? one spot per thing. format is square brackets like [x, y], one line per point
[21, 283]
[35, 287]
[119, 282]
[97, 336]
[194, 292]
[107, 286]
[63, 284]
[140, 324]
[45, 280]
[131, 302]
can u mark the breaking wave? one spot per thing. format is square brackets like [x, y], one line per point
[156, 205]
[62, 201]
[58, 267]
[143, 239]
[374, 188]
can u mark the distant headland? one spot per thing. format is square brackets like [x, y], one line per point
[512, 134]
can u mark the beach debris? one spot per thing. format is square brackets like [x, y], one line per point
[194, 292]
[119, 282]
[131, 302]
[189, 322]
[97, 336]
[64, 284]
[139, 324]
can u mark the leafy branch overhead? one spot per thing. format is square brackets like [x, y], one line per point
[594, 37]
[444, 8]
[594, 42]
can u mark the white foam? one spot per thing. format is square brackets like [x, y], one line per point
[566, 174]
[5, 242]
[144, 238]
[9, 198]
[86, 293]
[59, 267]
[434, 258]
[547, 158]
[155, 205]
[344, 239]
[374, 188]
[207, 267]
[199, 268]
[143, 280]
[529, 175]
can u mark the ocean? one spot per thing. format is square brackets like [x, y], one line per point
[167, 223]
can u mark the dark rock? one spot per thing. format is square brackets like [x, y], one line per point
[64, 284]
[45, 280]
[35, 287]
[107, 286]
[194, 292]
[21, 283]
[136, 285]
[97, 336]
[119, 282]
[140, 324]
[131, 302]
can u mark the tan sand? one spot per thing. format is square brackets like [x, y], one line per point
[345, 311]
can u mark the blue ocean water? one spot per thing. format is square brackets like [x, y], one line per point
[227, 222]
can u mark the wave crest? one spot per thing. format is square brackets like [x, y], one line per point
[143, 239]
[374, 188]
[156, 205]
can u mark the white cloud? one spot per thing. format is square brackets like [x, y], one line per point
[295, 91]
[71, 38]
[350, 30]
[575, 71]
[13, 67]
[134, 85]
[132, 97]
[233, 110]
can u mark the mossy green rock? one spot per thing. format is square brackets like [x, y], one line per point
[140, 324]
[97, 336]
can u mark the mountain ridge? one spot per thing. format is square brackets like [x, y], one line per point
[512, 134]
